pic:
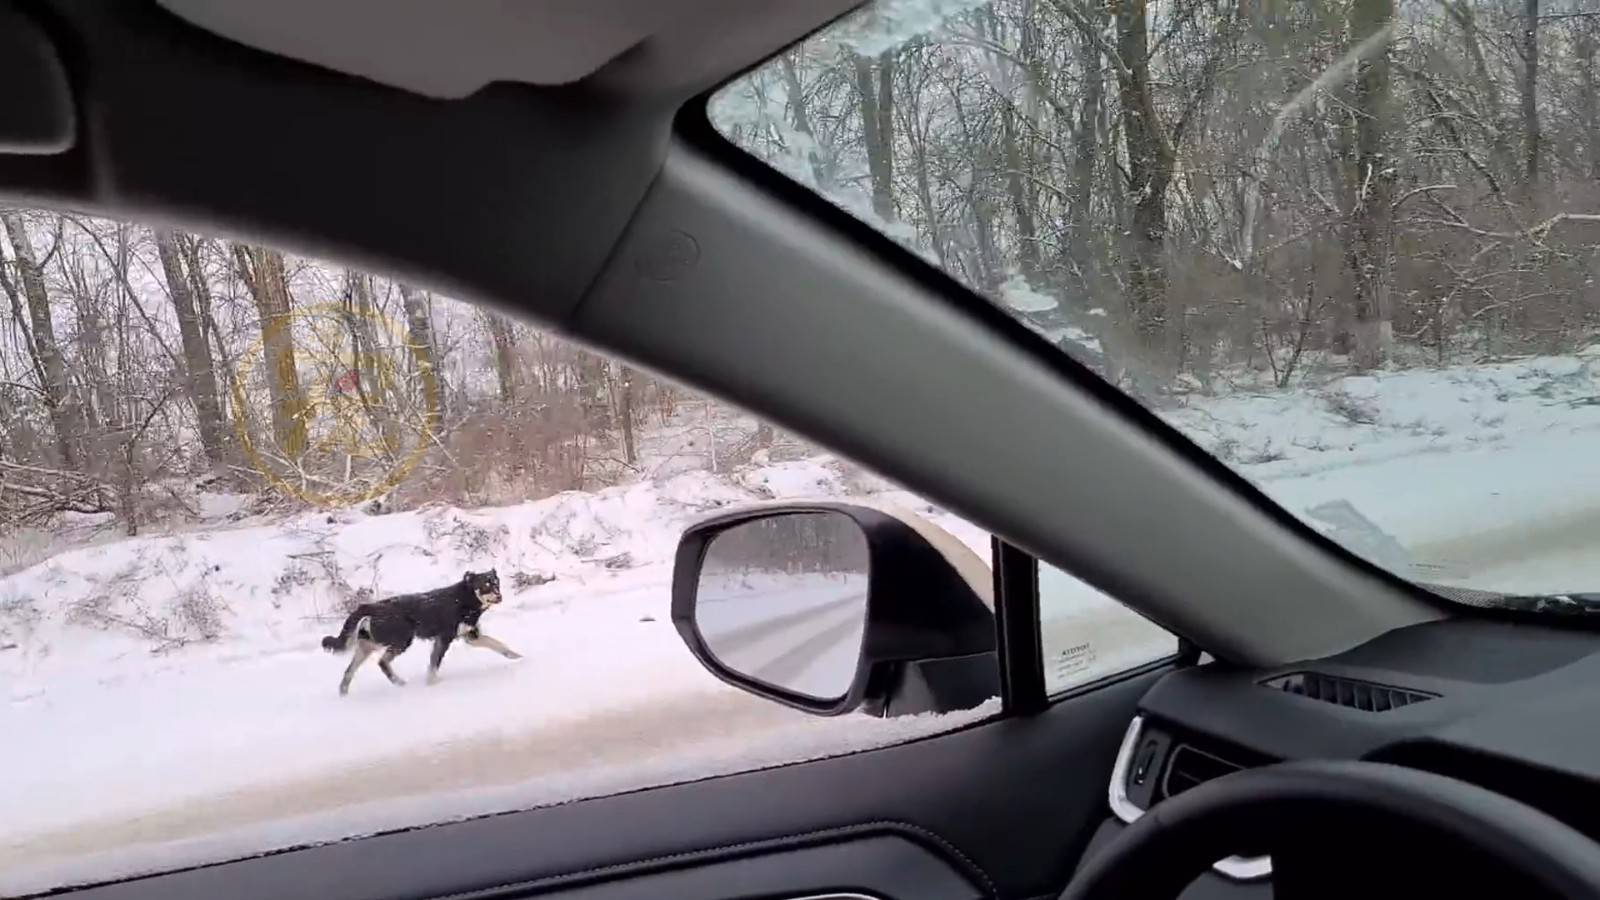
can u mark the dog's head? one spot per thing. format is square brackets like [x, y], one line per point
[485, 586]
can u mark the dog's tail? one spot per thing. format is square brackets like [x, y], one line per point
[357, 621]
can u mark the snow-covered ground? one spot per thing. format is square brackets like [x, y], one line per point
[1488, 476]
[167, 702]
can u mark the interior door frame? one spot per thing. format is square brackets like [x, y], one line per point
[1020, 642]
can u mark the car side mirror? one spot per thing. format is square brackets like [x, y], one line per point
[833, 607]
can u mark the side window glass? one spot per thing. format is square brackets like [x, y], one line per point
[1086, 635]
[219, 460]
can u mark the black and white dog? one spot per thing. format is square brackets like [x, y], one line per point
[440, 615]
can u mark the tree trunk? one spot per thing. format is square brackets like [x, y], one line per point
[1017, 189]
[373, 375]
[630, 451]
[200, 379]
[988, 263]
[190, 247]
[504, 343]
[1488, 85]
[66, 411]
[1530, 93]
[1370, 243]
[419, 333]
[101, 411]
[885, 186]
[802, 118]
[877, 129]
[1589, 53]
[1086, 139]
[263, 273]
[1150, 164]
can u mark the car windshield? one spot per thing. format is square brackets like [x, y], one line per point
[1348, 248]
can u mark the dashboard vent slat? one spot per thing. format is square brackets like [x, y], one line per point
[1347, 692]
[1190, 767]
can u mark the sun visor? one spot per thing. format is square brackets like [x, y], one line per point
[438, 49]
[37, 117]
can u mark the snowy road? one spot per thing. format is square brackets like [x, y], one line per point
[1521, 518]
[801, 633]
[609, 741]
[1553, 554]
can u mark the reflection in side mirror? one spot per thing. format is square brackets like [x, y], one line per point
[783, 600]
[831, 607]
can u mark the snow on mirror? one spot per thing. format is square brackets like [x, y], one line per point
[783, 599]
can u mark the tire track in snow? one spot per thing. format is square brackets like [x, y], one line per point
[1519, 545]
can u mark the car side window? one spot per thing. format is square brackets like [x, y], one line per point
[1085, 635]
[261, 515]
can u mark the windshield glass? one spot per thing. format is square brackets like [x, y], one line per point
[1348, 248]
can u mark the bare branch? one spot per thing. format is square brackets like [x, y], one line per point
[1338, 73]
[1421, 190]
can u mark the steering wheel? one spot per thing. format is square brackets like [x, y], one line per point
[1179, 838]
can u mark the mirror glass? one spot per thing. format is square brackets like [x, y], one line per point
[783, 600]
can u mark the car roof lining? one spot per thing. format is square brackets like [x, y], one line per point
[583, 207]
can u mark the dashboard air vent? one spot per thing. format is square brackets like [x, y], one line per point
[1189, 768]
[1362, 695]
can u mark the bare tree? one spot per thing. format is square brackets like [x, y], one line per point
[875, 85]
[262, 271]
[199, 371]
[66, 409]
[503, 342]
[1530, 92]
[423, 351]
[1372, 175]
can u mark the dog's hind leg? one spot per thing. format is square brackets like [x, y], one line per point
[479, 639]
[383, 663]
[440, 645]
[363, 650]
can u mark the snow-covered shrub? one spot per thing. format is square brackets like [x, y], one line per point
[197, 612]
[1355, 410]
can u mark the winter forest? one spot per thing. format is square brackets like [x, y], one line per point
[1208, 184]
[133, 359]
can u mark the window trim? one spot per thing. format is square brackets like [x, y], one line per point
[1020, 639]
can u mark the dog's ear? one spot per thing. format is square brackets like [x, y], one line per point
[468, 576]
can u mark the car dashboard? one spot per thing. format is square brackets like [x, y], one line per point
[1510, 706]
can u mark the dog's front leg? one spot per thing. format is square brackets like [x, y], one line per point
[479, 639]
[440, 645]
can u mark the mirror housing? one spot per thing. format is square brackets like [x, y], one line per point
[929, 641]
